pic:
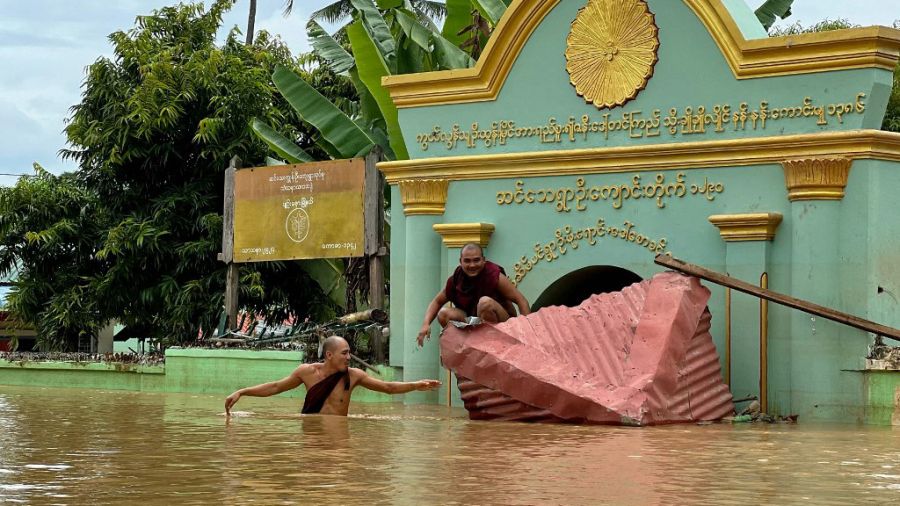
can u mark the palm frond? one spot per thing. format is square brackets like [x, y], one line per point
[435, 10]
[333, 13]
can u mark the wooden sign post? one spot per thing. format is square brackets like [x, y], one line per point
[375, 246]
[231, 272]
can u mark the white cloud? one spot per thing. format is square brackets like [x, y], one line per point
[45, 46]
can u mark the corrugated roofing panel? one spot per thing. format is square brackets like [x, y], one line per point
[640, 356]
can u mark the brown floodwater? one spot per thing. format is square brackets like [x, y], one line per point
[72, 446]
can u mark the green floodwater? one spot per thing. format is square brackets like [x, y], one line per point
[72, 446]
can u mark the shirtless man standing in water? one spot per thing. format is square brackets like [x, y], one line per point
[329, 383]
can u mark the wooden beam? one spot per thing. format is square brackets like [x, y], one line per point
[228, 211]
[784, 300]
[231, 273]
[374, 248]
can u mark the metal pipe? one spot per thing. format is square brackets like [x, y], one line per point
[728, 337]
[784, 300]
[764, 345]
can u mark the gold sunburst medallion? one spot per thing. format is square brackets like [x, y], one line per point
[611, 51]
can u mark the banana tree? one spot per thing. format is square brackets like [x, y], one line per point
[383, 41]
[388, 42]
[469, 23]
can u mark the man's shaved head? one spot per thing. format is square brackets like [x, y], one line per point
[471, 246]
[332, 343]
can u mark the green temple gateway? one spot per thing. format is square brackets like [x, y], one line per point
[593, 135]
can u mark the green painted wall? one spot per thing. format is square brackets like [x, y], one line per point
[200, 371]
[100, 376]
[691, 72]
[883, 397]
[832, 253]
[224, 371]
[842, 254]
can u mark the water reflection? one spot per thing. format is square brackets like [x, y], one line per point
[79, 446]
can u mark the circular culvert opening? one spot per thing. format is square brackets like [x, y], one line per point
[576, 286]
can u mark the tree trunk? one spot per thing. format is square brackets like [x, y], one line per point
[251, 22]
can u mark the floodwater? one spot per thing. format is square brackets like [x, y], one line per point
[72, 446]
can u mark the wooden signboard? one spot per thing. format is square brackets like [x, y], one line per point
[293, 212]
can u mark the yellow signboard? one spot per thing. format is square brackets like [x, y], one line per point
[290, 212]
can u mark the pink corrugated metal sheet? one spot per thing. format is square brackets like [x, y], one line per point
[640, 356]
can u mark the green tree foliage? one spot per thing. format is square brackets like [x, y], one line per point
[385, 38]
[825, 25]
[342, 9]
[891, 120]
[133, 234]
[48, 227]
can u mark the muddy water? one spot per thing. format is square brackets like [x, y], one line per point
[88, 447]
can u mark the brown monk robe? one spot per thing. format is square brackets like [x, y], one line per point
[325, 394]
[464, 291]
[318, 394]
[477, 288]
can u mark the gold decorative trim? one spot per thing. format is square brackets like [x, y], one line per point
[746, 227]
[852, 144]
[870, 47]
[457, 235]
[611, 51]
[423, 196]
[816, 178]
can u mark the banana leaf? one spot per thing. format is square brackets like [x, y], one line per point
[372, 68]
[491, 9]
[415, 31]
[381, 33]
[445, 54]
[767, 12]
[459, 16]
[337, 128]
[329, 274]
[368, 108]
[325, 46]
[325, 146]
[371, 120]
[279, 143]
[272, 162]
[450, 56]
[377, 131]
[412, 59]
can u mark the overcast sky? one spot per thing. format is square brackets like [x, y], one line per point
[45, 46]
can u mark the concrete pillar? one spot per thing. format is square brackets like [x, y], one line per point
[105, 338]
[423, 206]
[748, 245]
[454, 236]
[397, 259]
[815, 189]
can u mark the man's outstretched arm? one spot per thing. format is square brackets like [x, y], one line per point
[393, 387]
[267, 389]
[430, 314]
